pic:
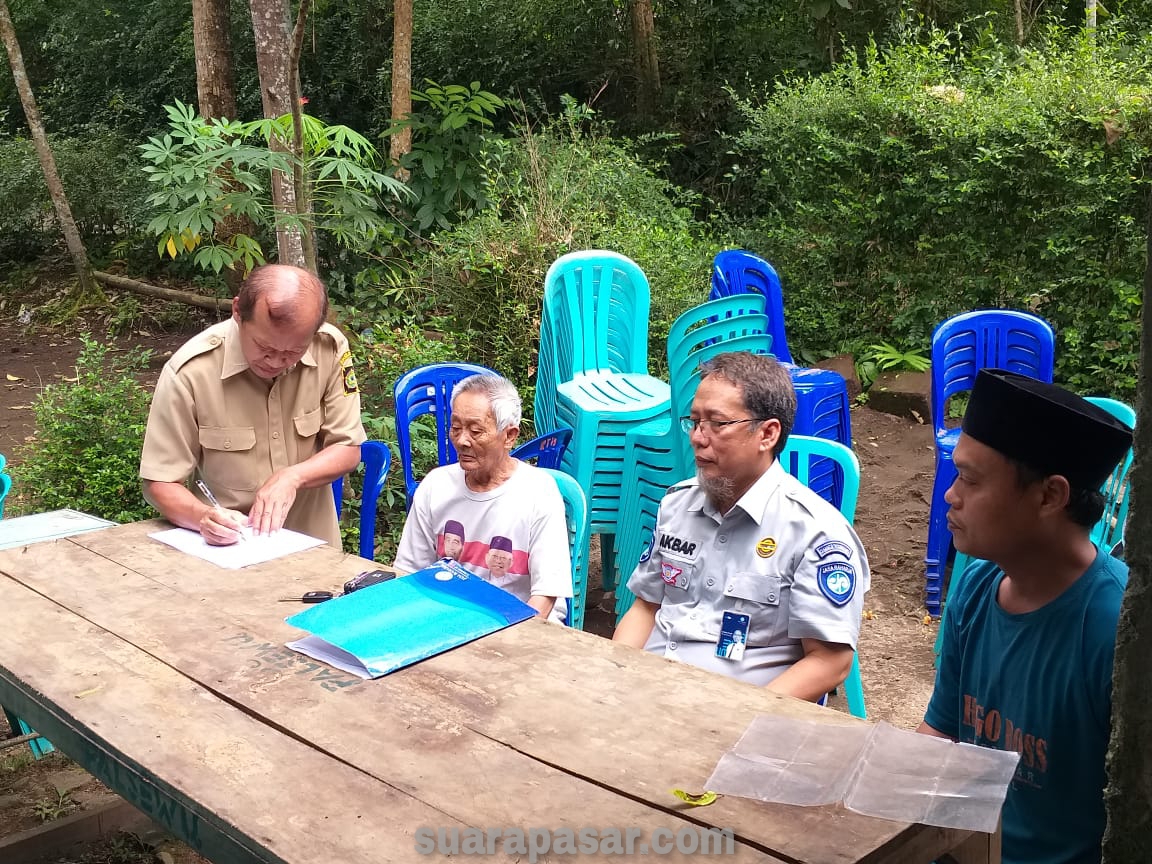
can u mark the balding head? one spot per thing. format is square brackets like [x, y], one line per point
[290, 295]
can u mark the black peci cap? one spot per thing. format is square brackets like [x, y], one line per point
[1045, 427]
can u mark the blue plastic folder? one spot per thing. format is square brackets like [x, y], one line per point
[394, 624]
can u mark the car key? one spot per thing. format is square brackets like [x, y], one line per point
[310, 597]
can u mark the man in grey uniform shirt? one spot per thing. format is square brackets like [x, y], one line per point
[745, 553]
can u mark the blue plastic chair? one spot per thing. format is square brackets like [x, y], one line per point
[547, 449]
[576, 513]
[5, 488]
[428, 390]
[592, 375]
[961, 346]
[735, 271]
[376, 459]
[1108, 533]
[822, 393]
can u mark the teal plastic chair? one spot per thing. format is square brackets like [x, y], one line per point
[592, 375]
[576, 513]
[802, 458]
[41, 746]
[657, 453]
[1106, 533]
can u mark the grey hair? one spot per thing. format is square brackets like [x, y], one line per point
[503, 399]
[765, 386]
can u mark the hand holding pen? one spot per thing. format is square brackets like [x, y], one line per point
[220, 526]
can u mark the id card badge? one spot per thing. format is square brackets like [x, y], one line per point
[733, 636]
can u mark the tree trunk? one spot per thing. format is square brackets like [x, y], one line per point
[270, 22]
[1019, 4]
[300, 178]
[188, 297]
[215, 79]
[71, 233]
[1090, 17]
[216, 95]
[1129, 793]
[401, 142]
[647, 62]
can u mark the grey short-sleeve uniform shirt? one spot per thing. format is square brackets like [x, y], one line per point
[783, 556]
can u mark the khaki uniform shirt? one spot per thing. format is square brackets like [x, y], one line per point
[212, 416]
[783, 556]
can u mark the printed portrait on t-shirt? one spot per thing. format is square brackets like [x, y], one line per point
[499, 558]
[452, 540]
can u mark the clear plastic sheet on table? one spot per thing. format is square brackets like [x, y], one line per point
[874, 769]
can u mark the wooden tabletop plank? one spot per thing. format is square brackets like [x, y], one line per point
[430, 752]
[630, 720]
[237, 791]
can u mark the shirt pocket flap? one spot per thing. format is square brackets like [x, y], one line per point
[308, 424]
[757, 587]
[227, 437]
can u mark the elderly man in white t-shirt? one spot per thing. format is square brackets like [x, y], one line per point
[511, 511]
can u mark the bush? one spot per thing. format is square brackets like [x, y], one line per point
[86, 453]
[105, 193]
[555, 191]
[925, 180]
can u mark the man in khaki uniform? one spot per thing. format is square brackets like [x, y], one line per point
[263, 408]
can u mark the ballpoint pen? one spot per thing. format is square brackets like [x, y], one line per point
[212, 500]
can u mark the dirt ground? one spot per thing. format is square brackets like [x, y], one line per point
[896, 644]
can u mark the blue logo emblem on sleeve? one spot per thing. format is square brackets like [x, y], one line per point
[648, 547]
[837, 581]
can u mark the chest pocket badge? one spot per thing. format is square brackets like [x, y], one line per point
[837, 581]
[673, 576]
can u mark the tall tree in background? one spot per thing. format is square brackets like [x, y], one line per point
[1129, 793]
[647, 62]
[271, 29]
[47, 161]
[401, 140]
[215, 78]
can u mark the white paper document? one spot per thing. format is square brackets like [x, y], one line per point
[875, 770]
[252, 549]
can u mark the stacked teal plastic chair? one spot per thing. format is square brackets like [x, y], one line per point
[1107, 532]
[802, 456]
[657, 453]
[592, 375]
[576, 513]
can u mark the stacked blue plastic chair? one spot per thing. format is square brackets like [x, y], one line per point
[1106, 533]
[377, 459]
[800, 456]
[592, 375]
[824, 407]
[961, 346]
[656, 455]
[576, 513]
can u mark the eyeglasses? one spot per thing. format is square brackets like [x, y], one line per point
[691, 424]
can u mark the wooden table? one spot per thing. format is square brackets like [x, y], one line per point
[168, 679]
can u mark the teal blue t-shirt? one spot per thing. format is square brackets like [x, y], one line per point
[1041, 684]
